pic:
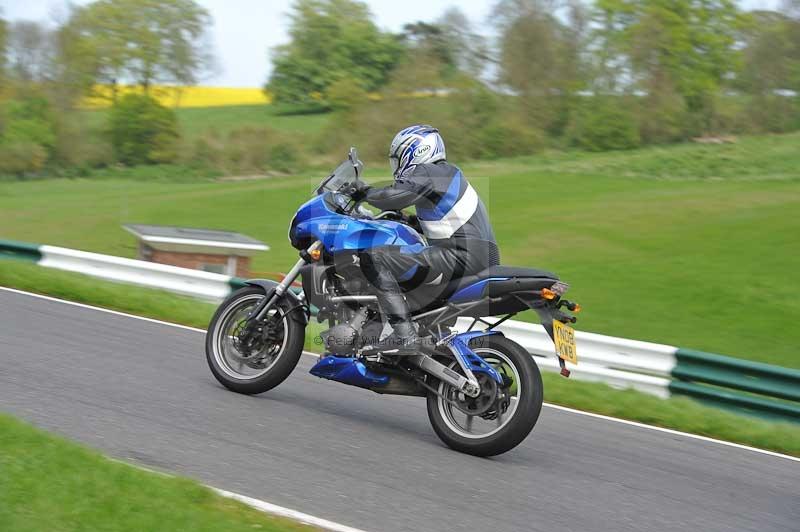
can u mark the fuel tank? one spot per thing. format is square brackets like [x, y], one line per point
[320, 219]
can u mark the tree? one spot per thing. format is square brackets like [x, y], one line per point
[469, 49]
[604, 123]
[3, 41]
[143, 131]
[144, 41]
[29, 51]
[450, 42]
[611, 68]
[771, 69]
[75, 67]
[330, 40]
[27, 135]
[791, 8]
[430, 42]
[658, 47]
[345, 94]
[540, 57]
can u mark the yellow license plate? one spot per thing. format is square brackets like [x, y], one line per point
[564, 337]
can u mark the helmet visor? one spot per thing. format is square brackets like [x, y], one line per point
[394, 164]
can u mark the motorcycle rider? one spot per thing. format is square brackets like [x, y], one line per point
[452, 217]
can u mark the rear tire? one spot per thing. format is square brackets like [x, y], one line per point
[523, 418]
[270, 366]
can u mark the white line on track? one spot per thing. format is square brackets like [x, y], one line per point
[286, 512]
[556, 407]
[257, 504]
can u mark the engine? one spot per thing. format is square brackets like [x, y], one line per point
[360, 327]
[343, 338]
[356, 324]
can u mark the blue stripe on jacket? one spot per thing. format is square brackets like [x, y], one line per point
[446, 202]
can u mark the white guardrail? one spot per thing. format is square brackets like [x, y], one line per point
[618, 362]
[615, 361]
[185, 281]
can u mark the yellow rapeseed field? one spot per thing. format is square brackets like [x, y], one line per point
[184, 96]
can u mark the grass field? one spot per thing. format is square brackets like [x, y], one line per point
[692, 245]
[48, 483]
[197, 121]
[676, 413]
[224, 119]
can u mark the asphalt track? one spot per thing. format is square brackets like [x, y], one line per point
[140, 391]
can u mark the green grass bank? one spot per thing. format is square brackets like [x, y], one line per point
[48, 483]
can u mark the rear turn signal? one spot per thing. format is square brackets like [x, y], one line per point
[548, 294]
[315, 254]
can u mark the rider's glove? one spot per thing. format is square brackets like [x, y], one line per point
[358, 190]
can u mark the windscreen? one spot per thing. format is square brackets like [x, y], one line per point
[344, 173]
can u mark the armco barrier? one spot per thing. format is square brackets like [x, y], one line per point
[11, 249]
[751, 387]
[206, 285]
[657, 369]
[195, 283]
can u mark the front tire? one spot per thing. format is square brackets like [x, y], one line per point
[484, 435]
[269, 364]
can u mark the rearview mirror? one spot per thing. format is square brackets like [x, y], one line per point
[358, 166]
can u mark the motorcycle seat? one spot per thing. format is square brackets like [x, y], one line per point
[511, 271]
[496, 272]
[525, 278]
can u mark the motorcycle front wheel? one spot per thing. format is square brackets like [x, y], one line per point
[481, 430]
[269, 359]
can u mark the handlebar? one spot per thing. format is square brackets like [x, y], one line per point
[353, 191]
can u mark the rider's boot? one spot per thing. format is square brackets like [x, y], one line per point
[404, 340]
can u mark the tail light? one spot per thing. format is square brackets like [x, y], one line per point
[559, 288]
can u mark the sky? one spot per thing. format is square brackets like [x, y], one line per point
[245, 30]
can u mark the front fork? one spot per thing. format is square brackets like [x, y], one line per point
[273, 296]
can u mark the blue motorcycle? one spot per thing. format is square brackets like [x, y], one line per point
[483, 391]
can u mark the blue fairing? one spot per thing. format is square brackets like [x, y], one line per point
[316, 220]
[349, 371]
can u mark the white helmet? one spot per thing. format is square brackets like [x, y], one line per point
[415, 145]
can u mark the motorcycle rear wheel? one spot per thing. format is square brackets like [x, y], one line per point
[267, 366]
[484, 435]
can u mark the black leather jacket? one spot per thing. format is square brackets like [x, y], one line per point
[449, 210]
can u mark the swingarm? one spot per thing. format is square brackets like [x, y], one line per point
[432, 367]
[469, 363]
